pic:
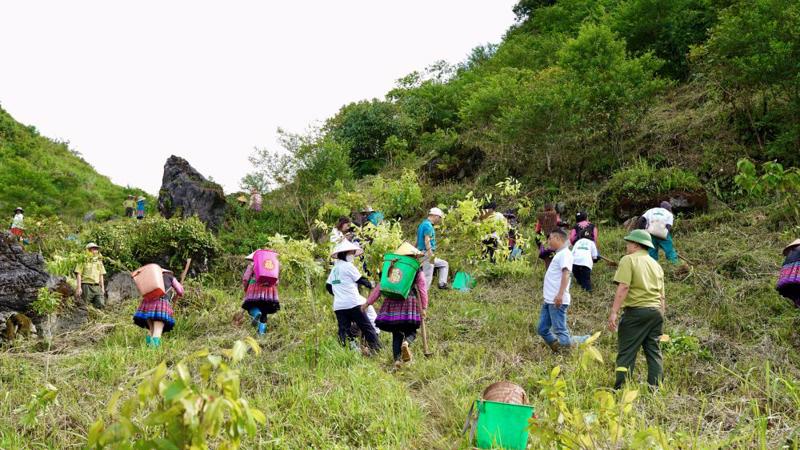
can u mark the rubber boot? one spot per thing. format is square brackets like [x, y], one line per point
[255, 313]
[156, 342]
[262, 328]
[148, 340]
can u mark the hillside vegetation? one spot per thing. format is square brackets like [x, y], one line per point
[47, 178]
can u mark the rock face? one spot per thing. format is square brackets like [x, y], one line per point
[185, 193]
[21, 276]
[120, 288]
[682, 202]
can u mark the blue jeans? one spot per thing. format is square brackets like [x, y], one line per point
[666, 244]
[556, 318]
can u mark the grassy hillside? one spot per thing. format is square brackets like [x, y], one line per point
[46, 178]
[731, 376]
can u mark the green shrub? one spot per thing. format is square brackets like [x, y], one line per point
[397, 197]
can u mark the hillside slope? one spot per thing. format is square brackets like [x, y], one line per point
[46, 178]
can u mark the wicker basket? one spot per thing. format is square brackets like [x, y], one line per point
[506, 392]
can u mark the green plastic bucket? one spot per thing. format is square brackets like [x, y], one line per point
[502, 425]
[398, 275]
[463, 281]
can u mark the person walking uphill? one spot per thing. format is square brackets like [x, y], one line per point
[402, 317]
[556, 295]
[129, 204]
[583, 229]
[640, 292]
[260, 299]
[426, 242]
[547, 221]
[90, 274]
[789, 279]
[156, 315]
[343, 283]
[18, 223]
[658, 223]
[140, 208]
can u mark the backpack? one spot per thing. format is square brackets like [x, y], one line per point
[586, 232]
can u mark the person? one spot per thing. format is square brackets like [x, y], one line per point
[584, 255]
[342, 283]
[129, 204]
[260, 299]
[18, 223]
[583, 229]
[547, 221]
[341, 231]
[655, 217]
[372, 216]
[514, 248]
[491, 242]
[426, 242]
[553, 319]
[789, 278]
[402, 317]
[140, 208]
[90, 276]
[640, 294]
[156, 315]
[255, 200]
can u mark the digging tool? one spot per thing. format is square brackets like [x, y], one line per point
[185, 269]
[425, 348]
[610, 262]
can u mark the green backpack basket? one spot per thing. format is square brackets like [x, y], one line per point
[398, 275]
[498, 425]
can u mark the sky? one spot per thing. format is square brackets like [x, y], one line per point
[130, 83]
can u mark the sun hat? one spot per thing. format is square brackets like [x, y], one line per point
[140, 198]
[368, 209]
[436, 212]
[789, 247]
[251, 255]
[19, 208]
[406, 249]
[91, 245]
[666, 205]
[347, 246]
[640, 237]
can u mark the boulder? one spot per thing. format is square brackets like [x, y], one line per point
[74, 316]
[185, 193]
[121, 287]
[682, 202]
[22, 274]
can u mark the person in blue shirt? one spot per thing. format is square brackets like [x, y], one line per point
[372, 216]
[426, 242]
[140, 208]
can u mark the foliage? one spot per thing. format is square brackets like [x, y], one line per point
[775, 183]
[464, 230]
[298, 264]
[39, 404]
[173, 408]
[685, 345]
[128, 244]
[644, 181]
[610, 423]
[398, 197]
[342, 203]
[47, 302]
[378, 241]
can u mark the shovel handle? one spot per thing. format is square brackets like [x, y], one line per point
[424, 337]
[185, 269]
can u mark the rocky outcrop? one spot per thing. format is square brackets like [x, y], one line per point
[682, 202]
[22, 274]
[69, 318]
[185, 193]
[120, 288]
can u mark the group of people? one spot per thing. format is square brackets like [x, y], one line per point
[132, 204]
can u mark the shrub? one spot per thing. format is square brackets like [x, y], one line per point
[397, 197]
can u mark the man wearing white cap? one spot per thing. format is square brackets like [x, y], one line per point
[343, 283]
[426, 242]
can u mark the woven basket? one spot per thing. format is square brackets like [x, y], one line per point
[506, 392]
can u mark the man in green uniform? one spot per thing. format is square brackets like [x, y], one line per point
[640, 290]
[90, 275]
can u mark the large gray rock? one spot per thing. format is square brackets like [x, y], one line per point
[120, 288]
[74, 316]
[185, 193]
[21, 276]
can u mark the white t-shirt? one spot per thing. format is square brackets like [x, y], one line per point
[552, 278]
[336, 236]
[659, 214]
[584, 252]
[343, 279]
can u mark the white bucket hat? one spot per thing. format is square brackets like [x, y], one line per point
[436, 212]
[91, 245]
[347, 246]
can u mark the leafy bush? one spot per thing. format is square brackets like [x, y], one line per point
[173, 408]
[131, 243]
[378, 241]
[776, 184]
[400, 197]
[298, 263]
[342, 204]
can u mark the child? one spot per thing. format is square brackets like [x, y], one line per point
[343, 284]
[402, 318]
[156, 315]
[556, 295]
[260, 299]
[584, 255]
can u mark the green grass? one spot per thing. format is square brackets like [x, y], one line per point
[736, 388]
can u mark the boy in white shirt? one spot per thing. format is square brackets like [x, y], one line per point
[556, 295]
[584, 255]
[343, 284]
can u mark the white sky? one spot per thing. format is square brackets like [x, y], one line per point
[129, 84]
